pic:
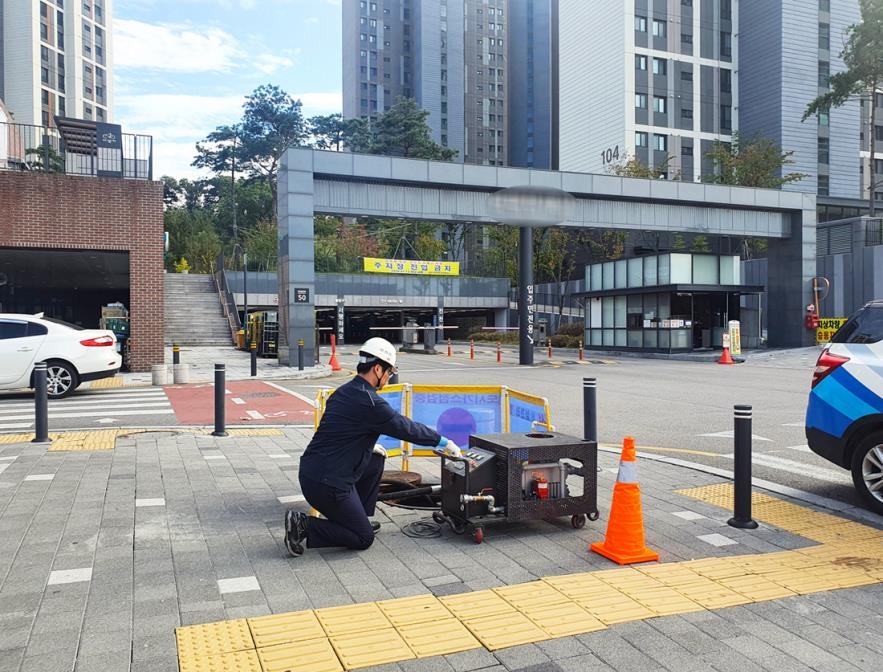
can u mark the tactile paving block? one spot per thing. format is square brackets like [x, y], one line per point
[101, 439]
[418, 609]
[312, 655]
[480, 604]
[757, 588]
[375, 647]
[508, 629]
[550, 609]
[351, 618]
[283, 628]
[438, 638]
[236, 661]
[212, 638]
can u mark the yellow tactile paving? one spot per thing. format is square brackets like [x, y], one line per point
[507, 629]
[285, 628]
[102, 439]
[373, 647]
[313, 655]
[352, 618]
[105, 439]
[361, 635]
[198, 641]
[107, 383]
[9, 439]
[437, 638]
[480, 604]
[419, 609]
[236, 661]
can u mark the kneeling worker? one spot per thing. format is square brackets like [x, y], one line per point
[340, 470]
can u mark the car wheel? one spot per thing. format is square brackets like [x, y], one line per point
[61, 379]
[867, 470]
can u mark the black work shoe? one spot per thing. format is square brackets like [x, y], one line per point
[375, 526]
[295, 532]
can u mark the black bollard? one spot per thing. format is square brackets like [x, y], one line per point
[41, 404]
[176, 354]
[220, 386]
[590, 411]
[254, 358]
[300, 354]
[742, 468]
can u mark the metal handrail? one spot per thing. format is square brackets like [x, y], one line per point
[228, 302]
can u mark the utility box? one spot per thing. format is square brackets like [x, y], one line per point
[541, 333]
[429, 339]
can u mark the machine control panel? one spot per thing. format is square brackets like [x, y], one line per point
[477, 457]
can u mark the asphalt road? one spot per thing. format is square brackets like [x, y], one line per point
[679, 409]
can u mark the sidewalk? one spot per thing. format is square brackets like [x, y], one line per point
[107, 553]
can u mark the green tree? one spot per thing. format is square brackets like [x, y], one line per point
[400, 131]
[756, 162]
[863, 57]
[271, 123]
[328, 131]
[262, 246]
[634, 167]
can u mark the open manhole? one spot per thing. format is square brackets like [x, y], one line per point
[405, 482]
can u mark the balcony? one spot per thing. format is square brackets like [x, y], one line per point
[76, 147]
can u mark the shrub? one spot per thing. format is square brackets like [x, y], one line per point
[182, 265]
[572, 329]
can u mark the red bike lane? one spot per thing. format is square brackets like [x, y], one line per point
[245, 402]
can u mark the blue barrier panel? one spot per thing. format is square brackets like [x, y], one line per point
[524, 410]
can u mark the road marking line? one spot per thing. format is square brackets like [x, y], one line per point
[686, 451]
[311, 402]
[96, 414]
[16, 425]
[799, 468]
[254, 415]
[237, 400]
[728, 434]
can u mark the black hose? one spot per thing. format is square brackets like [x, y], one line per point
[404, 494]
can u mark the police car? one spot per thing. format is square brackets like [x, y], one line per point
[844, 418]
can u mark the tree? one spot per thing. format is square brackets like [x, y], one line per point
[272, 122]
[400, 131]
[863, 58]
[756, 162]
[328, 131]
[634, 167]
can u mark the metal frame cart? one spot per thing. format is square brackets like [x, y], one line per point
[518, 477]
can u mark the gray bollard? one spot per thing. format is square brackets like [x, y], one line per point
[41, 404]
[742, 468]
[300, 354]
[220, 385]
[159, 374]
[181, 373]
[590, 411]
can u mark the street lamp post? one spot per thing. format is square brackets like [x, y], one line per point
[237, 246]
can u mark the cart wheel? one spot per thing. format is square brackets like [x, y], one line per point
[593, 515]
[578, 521]
[438, 517]
[457, 527]
[478, 534]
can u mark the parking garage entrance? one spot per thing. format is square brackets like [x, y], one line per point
[70, 285]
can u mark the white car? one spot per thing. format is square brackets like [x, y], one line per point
[72, 354]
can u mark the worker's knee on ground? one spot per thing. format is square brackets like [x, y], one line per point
[365, 542]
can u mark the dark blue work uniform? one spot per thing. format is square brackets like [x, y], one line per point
[340, 472]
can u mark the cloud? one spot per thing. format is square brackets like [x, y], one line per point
[270, 63]
[176, 48]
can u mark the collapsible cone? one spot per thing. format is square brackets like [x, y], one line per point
[725, 357]
[624, 542]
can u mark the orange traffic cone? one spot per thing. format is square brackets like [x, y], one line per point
[333, 361]
[725, 356]
[624, 542]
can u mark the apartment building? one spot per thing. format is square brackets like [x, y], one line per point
[649, 79]
[56, 59]
[449, 55]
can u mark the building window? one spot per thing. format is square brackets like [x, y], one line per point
[825, 5]
[660, 66]
[641, 101]
[823, 185]
[687, 150]
[823, 118]
[726, 119]
[640, 62]
[726, 44]
[660, 142]
[686, 113]
[824, 154]
[726, 81]
[640, 138]
[659, 28]
[726, 10]
[686, 38]
[641, 24]
[659, 104]
[686, 75]
[824, 36]
[824, 73]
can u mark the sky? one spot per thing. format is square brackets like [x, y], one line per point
[183, 67]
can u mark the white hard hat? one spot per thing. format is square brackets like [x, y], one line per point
[378, 348]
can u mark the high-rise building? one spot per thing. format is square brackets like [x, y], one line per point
[645, 79]
[56, 59]
[449, 55]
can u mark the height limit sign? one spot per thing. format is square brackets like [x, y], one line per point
[301, 294]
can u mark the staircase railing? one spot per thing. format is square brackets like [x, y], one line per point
[228, 302]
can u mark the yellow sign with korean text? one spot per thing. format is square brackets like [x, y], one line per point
[411, 267]
[827, 327]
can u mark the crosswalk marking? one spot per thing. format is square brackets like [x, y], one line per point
[117, 403]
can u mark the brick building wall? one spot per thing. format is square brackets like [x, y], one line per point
[87, 213]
